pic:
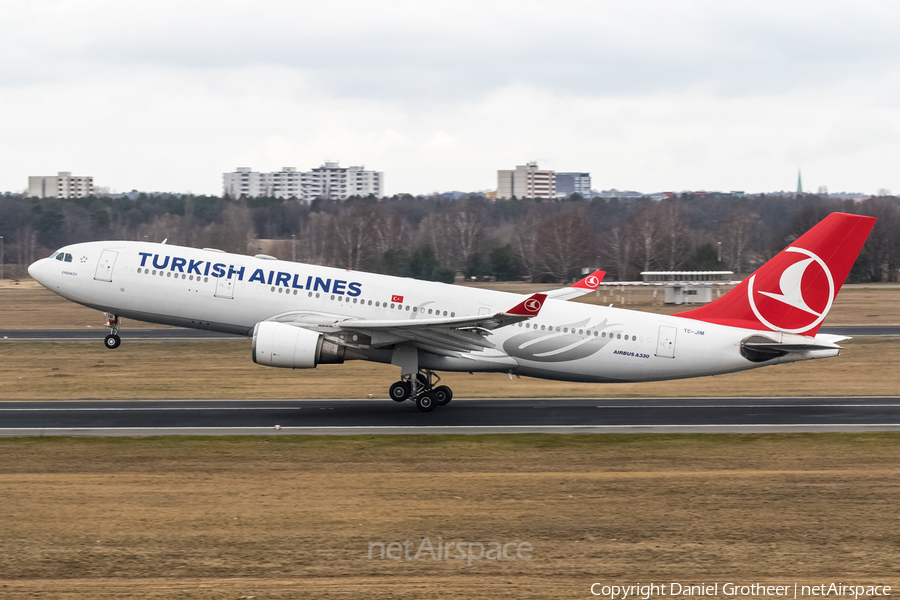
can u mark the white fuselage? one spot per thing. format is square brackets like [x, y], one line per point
[212, 290]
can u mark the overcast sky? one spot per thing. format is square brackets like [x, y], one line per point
[645, 95]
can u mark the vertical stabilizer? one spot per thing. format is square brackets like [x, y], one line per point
[794, 291]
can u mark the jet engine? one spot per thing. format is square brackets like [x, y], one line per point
[282, 345]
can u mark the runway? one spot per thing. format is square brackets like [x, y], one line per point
[184, 334]
[465, 416]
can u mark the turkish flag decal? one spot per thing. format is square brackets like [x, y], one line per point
[396, 298]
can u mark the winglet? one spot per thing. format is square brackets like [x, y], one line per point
[591, 282]
[530, 307]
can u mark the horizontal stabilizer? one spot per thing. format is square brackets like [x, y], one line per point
[759, 348]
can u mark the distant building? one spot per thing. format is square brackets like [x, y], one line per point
[334, 182]
[526, 181]
[573, 183]
[328, 181]
[62, 185]
[279, 184]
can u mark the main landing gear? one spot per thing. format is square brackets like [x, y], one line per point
[113, 340]
[423, 388]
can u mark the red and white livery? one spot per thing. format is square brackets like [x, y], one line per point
[301, 316]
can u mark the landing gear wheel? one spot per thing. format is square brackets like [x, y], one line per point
[443, 395]
[400, 391]
[426, 402]
[112, 341]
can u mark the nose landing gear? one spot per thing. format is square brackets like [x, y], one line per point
[113, 340]
[423, 389]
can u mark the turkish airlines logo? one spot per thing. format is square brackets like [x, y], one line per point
[533, 305]
[794, 298]
[592, 281]
[396, 298]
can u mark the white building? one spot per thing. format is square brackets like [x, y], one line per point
[63, 185]
[279, 184]
[328, 181]
[526, 181]
[335, 182]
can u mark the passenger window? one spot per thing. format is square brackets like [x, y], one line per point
[429, 311]
[407, 307]
[392, 305]
[452, 314]
[566, 330]
[370, 303]
[445, 313]
[377, 304]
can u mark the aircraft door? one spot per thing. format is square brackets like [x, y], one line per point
[665, 347]
[224, 287]
[105, 265]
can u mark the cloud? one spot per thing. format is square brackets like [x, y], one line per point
[439, 95]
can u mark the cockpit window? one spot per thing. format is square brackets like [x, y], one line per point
[60, 256]
[68, 257]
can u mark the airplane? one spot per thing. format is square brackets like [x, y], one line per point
[300, 316]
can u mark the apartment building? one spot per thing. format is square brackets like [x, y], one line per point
[335, 182]
[526, 181]
[61, 185]
[278, 184]
[329, 181]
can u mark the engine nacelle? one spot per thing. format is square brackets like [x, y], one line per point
[281, 345]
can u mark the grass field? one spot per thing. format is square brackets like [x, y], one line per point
[292, 517]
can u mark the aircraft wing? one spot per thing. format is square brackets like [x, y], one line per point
[447, 336]
[586, 285]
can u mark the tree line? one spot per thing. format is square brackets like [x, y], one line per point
[436, 238]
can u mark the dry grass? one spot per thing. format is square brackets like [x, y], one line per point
[28, 305]
[223, 369]
[291, 517]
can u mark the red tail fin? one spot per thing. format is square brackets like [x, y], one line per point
[794, 291]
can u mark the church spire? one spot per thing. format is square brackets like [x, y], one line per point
[799, 182]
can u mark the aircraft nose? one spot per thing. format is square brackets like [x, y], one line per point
[34, 269]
